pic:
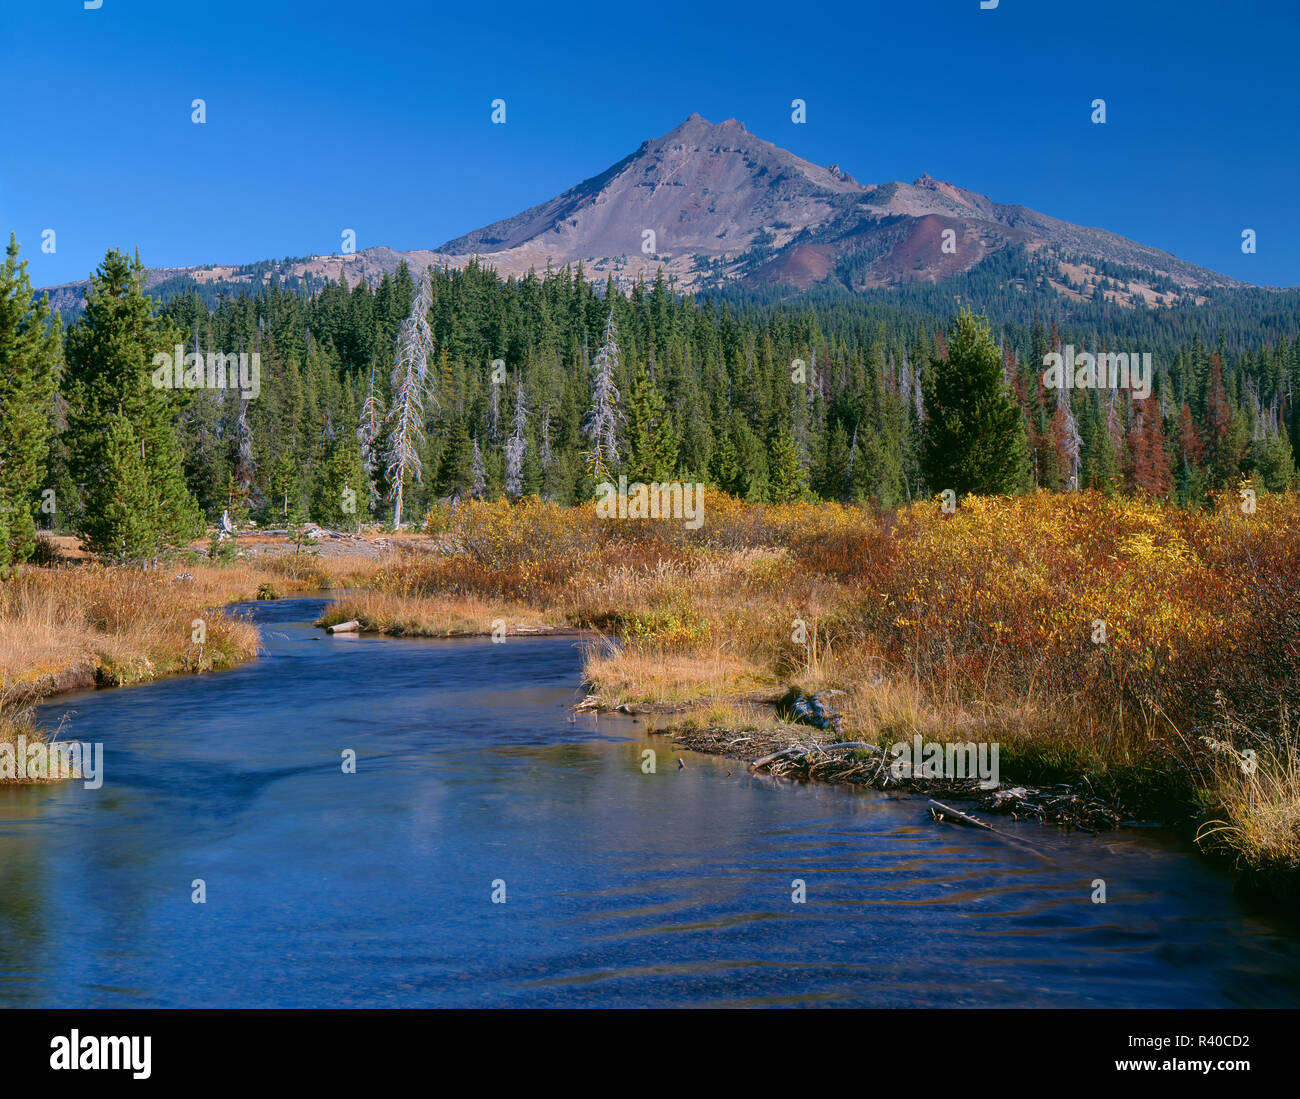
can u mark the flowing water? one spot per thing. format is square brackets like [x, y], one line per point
[621, 888]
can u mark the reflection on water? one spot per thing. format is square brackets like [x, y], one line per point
[374, 889]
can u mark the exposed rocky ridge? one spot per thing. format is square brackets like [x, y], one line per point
[713, 205]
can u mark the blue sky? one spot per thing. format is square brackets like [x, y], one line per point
[324, 115]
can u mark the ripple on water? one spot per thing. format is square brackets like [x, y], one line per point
[622, 888]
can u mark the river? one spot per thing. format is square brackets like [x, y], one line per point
[621, 888]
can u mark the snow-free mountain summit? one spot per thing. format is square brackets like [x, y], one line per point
[714, 205]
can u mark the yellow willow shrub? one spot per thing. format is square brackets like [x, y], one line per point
[673, 625]
[805, 528]
[502, 535]
[1105, 601]
[1260, 551]
[1066, 594]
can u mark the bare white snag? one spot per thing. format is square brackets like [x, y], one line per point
[516, 443]
[410, 388]
[547, 456]
[246, 466]
[477, 472]
[372, 424]
[1073, 442]
[604, 417]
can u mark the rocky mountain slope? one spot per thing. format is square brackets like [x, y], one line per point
[714, 205]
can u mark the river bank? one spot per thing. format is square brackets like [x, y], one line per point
[73, 624]
[1146, 653]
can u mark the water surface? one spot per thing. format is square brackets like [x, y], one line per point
[622, 888]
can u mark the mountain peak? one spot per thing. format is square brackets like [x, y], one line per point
[697, 123]
[708, 203]
[713, 197]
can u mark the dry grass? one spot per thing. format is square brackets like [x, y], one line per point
[80, 623]
[1253, 794]
[276, 575]
[661, 677]
[113, 626]
[433, 616]
[15, 722]
[983, 624]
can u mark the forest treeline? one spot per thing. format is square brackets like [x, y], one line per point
[542, 384]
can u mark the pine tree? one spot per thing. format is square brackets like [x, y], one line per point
[110, 374]
[974, 437]
[788, 480]
[1151, 472]
[340, 494]
[1223, 443]
[1275, 464]
[207, 461]
[1191, 474]
[1099, 463]
[119, 523]
[369, 433]
[849, 462]
[494, 413]
[29, 352]
[456, 476]
[651, 442]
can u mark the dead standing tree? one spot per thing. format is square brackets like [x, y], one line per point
[368, 433]
[516, 444]
[604, 417]
[410, 388]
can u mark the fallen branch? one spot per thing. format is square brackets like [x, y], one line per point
[958, 816]
[795, 750]
[801, 750]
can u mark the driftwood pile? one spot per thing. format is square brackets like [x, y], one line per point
[827, 762]
[1055, 805]
[863, 763]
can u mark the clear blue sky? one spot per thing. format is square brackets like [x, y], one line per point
[374, 114]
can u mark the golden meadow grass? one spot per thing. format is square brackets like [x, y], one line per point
[120, 625]
[1091, 636]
